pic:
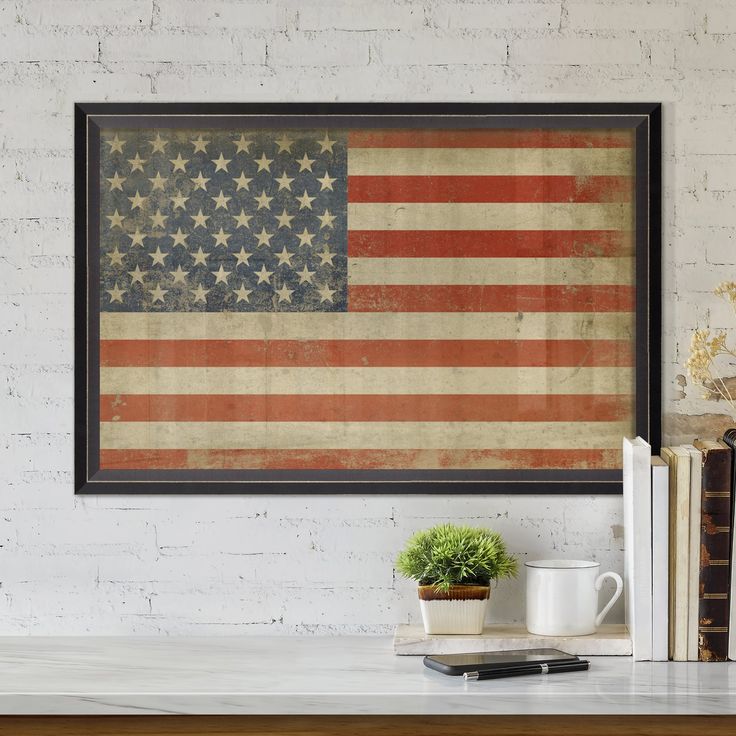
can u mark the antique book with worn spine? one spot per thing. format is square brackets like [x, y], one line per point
[715, 551]
[729, 437]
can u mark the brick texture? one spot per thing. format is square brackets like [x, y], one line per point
[139, 565]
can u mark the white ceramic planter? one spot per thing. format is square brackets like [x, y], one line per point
[461, 610]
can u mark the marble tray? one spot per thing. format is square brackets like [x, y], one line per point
[611, 639]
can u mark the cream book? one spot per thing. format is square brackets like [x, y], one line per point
[678, 460]
[696, 484]
[637, 483]
[660, 558]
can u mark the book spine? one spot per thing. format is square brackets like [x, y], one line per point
[715, 553]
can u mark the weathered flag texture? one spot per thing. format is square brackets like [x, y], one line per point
[399, 299]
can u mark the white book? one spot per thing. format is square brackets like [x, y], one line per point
[696, 483]
[660, 558]
[679, 570]
[638, 545]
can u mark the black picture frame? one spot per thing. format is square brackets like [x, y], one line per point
[644, 117]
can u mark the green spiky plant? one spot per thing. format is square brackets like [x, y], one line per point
[447, 555]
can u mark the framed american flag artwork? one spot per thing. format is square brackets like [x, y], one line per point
[365, 298]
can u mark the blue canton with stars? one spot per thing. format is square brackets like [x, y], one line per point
[223, 220]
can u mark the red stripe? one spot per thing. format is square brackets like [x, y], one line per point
[489, 243]
[478, 138]
[366, 353]
[357, 459]
[364, 408]
[489, 188]
[475, 298]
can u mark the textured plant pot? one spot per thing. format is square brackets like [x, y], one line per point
[459, 610]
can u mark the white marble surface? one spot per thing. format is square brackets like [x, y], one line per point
[610, 639]
[341, 675]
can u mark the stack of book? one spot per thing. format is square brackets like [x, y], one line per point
[679, 551]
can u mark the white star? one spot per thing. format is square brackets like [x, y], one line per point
[136, 275]
[221, 163]
[264, 164]
[243, 182]
[326, 257]
[221, 200]
[179, 275]
[116, 182]
[284, 219]
[284, 182]
[264, 201]
[242, 256]
[179, 238]
[305, 276]
[326, 219]
[264, 238]
[158, 294]
[200, 257]
[306, 201]
[243, 144]
[243, 293]
[179, 162]
[158, 220]
[179, 200]
[116, 257]
[157, 182]
[221, 275]
[200, 181]
[115, 144]
[116, 220]
[136, 164]
[136, 238]
[200, 219]
[326, 293]
[200, 144]
[221, 238]
[305, 163]
[264, 276]
[158, 256]
[284, 293]
[158, 144]
[284, 257]
[326, 181]
[306, 237]
[137, 201]
[242, 219]
[200, 293]
[326, 144]
[116, 293]
[284, 143]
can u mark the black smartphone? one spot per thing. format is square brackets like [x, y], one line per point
[458, 664]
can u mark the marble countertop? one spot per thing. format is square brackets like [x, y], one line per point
[310, 675]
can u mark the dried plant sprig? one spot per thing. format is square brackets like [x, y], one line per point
[702, 365]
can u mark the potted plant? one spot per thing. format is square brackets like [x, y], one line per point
[454, 566]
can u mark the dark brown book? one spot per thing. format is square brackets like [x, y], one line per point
[715, 551]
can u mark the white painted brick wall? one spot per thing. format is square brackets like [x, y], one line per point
[117, 565]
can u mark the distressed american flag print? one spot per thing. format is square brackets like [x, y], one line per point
[366, 299]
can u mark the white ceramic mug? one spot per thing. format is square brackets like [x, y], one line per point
[562, 597]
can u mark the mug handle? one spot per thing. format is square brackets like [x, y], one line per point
[619, 589]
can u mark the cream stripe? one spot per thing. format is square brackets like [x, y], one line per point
[365, 326]
[559, 271]
[490, 216]
[361, 435]
[259, 381]
[490, 161]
